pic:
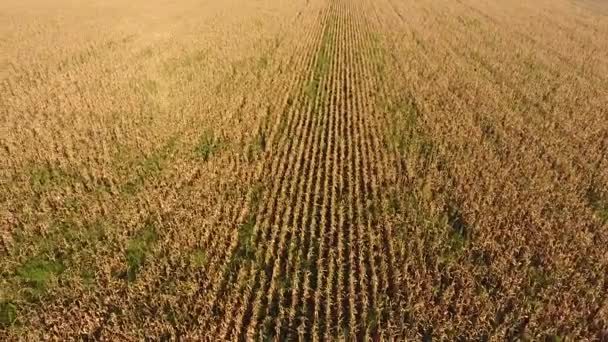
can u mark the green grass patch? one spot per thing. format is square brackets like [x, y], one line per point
[68, 238]
[260, 64]
[8, 314]
[453, 234]
[393, 203]
[137, 250]
[255, 196]
[373, 319]
[456, 242]
[155, 162]
[38, 274]
[312, 89]
[87, 278]
[283, 120]
[599, 204]
[376, 51]
[457, 222]
[207, 145]
[539, 278]
[405, 115]
[322, 65]
[601, 211]
[186, 61]
[245, 251]
[263, 62]
[150, 166]
[257, 146]
[246, 248]
[285, 283]
[198, 258]
[150, 86]
[408, 137]
[554, 338]
[170, 315]
[66, 245]
[44, 177]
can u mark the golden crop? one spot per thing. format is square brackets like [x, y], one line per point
[309, 169]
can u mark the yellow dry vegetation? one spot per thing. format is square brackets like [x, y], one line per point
[304, 169]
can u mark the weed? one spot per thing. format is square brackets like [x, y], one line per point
[457, 222]
[137, 250]
[186, 61]
[373, 319]
[207, 145]
[73, 204]
[170, 315]
[554, 338]
[255, 196]
[38, 274]
[245, 236]
[40, 178]
[130, 188]
[602, 213]
[150, 166]
[598, 203]
[198, 258]
[150, 86]
[321, 67]
[258, 146]
[312, 89]
[285, 283]
[263, 62]
[155, 162]
[539, 279]
[8, 314]
[87, 277]
[245, 250]
[394, 205]
[405, 130]
[43, 177]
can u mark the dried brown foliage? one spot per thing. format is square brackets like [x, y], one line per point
[315, 169]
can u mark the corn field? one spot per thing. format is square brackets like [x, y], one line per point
[304, 170]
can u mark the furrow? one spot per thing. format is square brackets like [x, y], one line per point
[269, 307]
[335, 109]
[323, 211]
[379, 163]
[363, 205]
[341, 285]
[285, 258]
[273, 163]
[353, 250]
[317, 172]
[304, 220]
[260, 276]
[359, 194]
